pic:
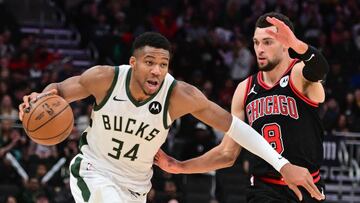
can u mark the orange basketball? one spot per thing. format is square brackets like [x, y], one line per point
[49, 120]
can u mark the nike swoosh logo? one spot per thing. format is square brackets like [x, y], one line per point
[312, 55]
[280, 158]
[116, 99]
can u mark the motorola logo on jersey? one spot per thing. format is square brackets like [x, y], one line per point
[284, 81]
[155, 107]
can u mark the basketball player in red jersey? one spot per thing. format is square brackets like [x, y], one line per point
[280, 102]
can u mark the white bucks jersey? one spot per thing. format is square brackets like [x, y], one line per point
[124, 135]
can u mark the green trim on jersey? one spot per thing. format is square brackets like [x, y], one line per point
[127, 87]
[75, 171]
[166, 106]
[83, 140]
[103, 102]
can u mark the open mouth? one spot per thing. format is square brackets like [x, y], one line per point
[261, 59]
[152, 84]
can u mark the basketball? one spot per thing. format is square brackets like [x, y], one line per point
[49, 120]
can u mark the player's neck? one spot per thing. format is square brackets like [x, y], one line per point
[136, 91]
[273, 76]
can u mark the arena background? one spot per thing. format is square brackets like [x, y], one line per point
[44, 41]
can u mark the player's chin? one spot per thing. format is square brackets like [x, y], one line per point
[151, 89]
[150, 92]
[262, 66]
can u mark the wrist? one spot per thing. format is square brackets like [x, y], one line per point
[299, 47]
[283, 168]
[280, 164]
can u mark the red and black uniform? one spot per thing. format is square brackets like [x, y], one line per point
[289, 121]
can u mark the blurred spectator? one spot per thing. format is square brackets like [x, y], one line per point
[331, 111]
[225, 96]
[11, 199]
[7, 110]
[336, 82]
[201, 141]
[239, 59]
[165, 23]
[171, 193]
[6, 49]
[342, 125]
[43, 58]
[31, 190]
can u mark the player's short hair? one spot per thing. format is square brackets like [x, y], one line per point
[263, 23]
[152, 39]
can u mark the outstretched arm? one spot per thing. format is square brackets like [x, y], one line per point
[188, 99]
[94, 81]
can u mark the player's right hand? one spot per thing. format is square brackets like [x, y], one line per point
[296, 176]
[167, 163]
[27, 99]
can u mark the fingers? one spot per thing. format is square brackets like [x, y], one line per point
[50, 92]
[156, 162]
[21, 111]
[24, 107]
[313, 190]
[296, 191]
[274, 21]
[53, 91]
[26, 100]
[272, 33]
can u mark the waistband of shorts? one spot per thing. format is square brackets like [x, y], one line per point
[280, 181]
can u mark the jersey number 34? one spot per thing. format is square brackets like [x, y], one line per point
[131, 154]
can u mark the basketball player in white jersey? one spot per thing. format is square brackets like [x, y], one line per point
[135, 106]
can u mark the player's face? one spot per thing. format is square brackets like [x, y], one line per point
[150, 66]
[268, 50]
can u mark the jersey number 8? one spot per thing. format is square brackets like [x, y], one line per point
[272, 133]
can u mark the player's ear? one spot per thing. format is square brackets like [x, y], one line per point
[132, 61]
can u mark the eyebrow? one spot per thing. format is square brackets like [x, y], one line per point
[267, 38]
[149, 56]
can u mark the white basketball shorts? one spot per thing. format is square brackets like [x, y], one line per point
[89, 185]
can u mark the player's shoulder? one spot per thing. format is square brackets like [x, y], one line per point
[186, 98]
[103, 70]
[184, 90]
[240, 94]
[242, 86]
[98, 77]
[298, 66]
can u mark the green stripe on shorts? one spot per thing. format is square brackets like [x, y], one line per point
[75, 169]
[83, 140]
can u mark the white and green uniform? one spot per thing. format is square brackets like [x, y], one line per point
[119, 146]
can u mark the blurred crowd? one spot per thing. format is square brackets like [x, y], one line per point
[212, 49]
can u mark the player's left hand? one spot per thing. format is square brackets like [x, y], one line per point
[167, 163]
[284, 34]
[296, 176]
